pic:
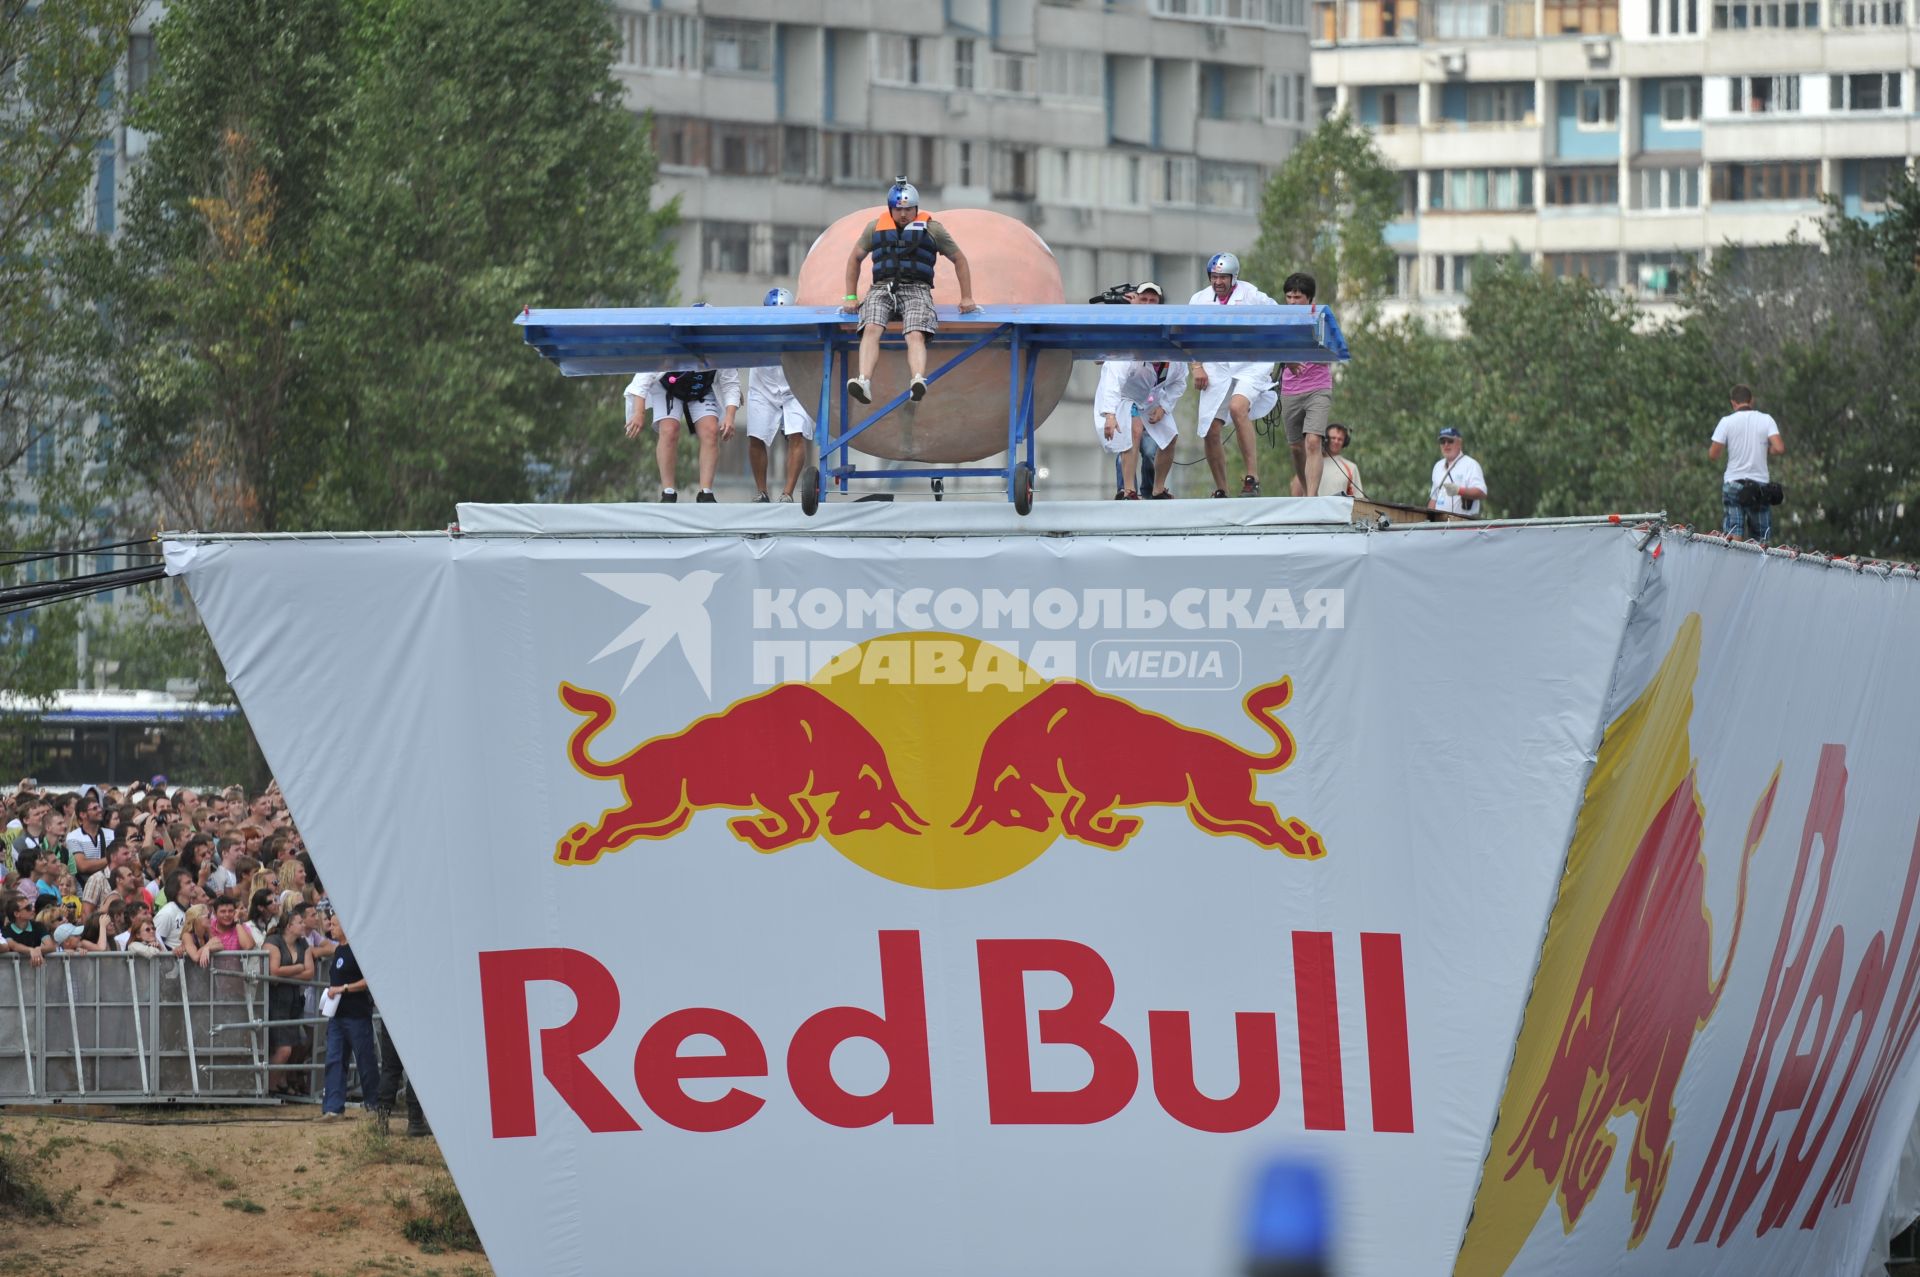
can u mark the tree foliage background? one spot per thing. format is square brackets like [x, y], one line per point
[305, 319]
[1578, 400]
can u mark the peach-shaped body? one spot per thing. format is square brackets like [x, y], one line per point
[964, 416]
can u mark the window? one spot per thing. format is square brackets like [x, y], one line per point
[1480, 189]
[658, 41]
[1078, 75]
[902, 59]
[1229, 186]
[1657, 275]
[1453, 272]
[851, 158]
[744, 150]
[1763, 94]
[963, 163]
[139, 62]
[1873, 91]
[1126, 181]
[1270, 13]
[1599, 269]
[727, 247]
[1286, 97]
[1407, 194]
[1676, 17]
[1174, 180]
[1406, 275]
[789, 249]
[679, 141]
[1012, 176]
[1399, 108]
[1597, 106]
[740, 48]
[1569, 187]
[1790, 180]
[1870, 13]
[1582, 17]
[799, 153]
[1742, 15]
[964, 52]
[1662, 189]
[1477, 19]
[1680, 102]
[1499, 103]
[1013, 74]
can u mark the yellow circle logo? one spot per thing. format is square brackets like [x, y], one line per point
[931, 700]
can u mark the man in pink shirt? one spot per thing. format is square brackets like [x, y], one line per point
[227, 932]
[1306, 400]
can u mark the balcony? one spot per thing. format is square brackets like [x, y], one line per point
[1477, 20]
[1366, 21]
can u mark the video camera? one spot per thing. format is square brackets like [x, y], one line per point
[1118, 295]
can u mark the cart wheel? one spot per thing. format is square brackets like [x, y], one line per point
[1022, 490]
[810, 490]
[939, 489]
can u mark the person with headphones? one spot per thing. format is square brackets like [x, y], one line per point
[772, 409]
[904, 253]
[1241, 391]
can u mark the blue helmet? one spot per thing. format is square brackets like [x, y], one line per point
[903, 194]
[1224, 264]
[778, 297]
[698, 305]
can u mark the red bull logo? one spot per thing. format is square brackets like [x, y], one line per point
[901, 771]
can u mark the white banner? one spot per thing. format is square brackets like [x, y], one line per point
[991, 903]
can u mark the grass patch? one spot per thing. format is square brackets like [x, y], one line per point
[246, 1205]
[372, 1146]
[22, 1196]
[441, 1223]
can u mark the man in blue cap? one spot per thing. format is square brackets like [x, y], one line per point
[904, 254]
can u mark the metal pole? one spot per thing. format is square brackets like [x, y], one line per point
[139, 1032]
[73, 1026]
[1013, 408]
[186, 1016]
[26, 1040]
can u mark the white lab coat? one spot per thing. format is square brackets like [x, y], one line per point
[726, 384]
[1123, 384]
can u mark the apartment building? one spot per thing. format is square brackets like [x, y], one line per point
[1618, 140]
[1135, 136]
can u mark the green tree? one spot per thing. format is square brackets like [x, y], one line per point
[489, 164]
[1326, 212]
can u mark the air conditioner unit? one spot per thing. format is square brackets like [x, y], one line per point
[1599, 50]
[959, 103]
[1452, 61]
[1216, 37]
[1083, 217]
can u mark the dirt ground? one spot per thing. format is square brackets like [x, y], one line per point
[214, 1192]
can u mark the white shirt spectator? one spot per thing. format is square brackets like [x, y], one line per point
[1124, 384]
[1465, 473]
[1745, 434]
[168, 924]
[221, 881]
[78, 844]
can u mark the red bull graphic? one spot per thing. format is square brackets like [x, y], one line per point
[1077, 755]
[806, 750]
[900, 753]
[1626, 980]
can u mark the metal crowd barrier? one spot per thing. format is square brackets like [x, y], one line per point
[118, 1028]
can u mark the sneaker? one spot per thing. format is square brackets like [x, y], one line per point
[1161, 496]
[860, 388]
[669, 496]
[761, 498]
[786, 498]
[1250, 487]
[1119, 496]
[706, 497]
[331, 1117]
[917, 389]
[1133, 496]
[1219, 492]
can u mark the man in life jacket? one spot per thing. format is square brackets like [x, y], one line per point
[904, 254]
[1240, 392]
[676, 397]
[772, 409]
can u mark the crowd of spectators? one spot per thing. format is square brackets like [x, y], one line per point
[168, 873]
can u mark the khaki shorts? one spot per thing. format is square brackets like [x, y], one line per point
[911, 304]
[1306, 414]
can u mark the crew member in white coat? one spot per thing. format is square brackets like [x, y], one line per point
[1240, 392]
[1153, 388]
[671, 398]
[773, 410]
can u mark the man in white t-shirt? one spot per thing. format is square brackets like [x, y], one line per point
[1459, 485]
[1747, 438]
